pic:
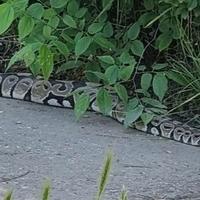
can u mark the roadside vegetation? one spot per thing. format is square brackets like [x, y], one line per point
[147, 52]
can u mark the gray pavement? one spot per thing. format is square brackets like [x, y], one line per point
[39, 142]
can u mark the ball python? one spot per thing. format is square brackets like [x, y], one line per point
[60, 93]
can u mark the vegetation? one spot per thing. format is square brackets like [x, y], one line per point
[146, 52]
[102, 183]
[140, 50]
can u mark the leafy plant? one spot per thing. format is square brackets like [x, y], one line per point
[109, 40]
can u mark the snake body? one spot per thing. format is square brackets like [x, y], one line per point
[60, 93]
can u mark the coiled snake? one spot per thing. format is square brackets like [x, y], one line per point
[59, 93]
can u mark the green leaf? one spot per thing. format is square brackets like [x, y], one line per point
[35, 10]
[122, 92]
[147, 17]
[82, 45]
[177, 77]
[80, 14]
[125, 58]
[146, 81]
[143, 92]
[149, 4]
[25, 26]
[89, 75]
[159, 66]
[70, 64]
[46, 61]
[35, 68]
[126, 72]
[29, 57]
[99, 75]
[103, 42]
[58, 3]
[159, 111]
[47, 30]
[164, 40]
[107, 59]
[137, 48]
[81, 105]
[147, 117]
[6, 16]
[54, 22]
[72, 8]
[153, 102]
[19, 55]
[133, 31]
[103, 16]
[192, 4]
[19, 7]
[82, 24]
[95, 28]
[160, 85]
[133, 115]
[104, 101]
[49, 13]
[78, 36]
[108, 30]
[62, 47]
[111, 74]
[107, 4]
[68, 20]
[132, 104]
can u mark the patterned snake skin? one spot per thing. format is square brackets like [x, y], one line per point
[59, 93]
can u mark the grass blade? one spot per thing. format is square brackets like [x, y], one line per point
[104, 175]
[46, 191]
[8, 195]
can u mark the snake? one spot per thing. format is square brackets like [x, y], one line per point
[60, 93]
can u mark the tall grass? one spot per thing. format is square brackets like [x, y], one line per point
[186, 68]
[103, 180]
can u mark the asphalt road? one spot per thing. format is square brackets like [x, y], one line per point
[39, 142]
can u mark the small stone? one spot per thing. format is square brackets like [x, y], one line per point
[169, 152]
[24, 186]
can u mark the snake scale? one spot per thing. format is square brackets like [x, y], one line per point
[59, 93]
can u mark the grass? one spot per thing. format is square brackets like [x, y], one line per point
[103, 180]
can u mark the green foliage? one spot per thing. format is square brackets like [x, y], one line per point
[133, 115]
[160, 85]
[104, 101]
[108, 39]
[133, 31]
[82, 104]
[46, 61]
[82, 45]
[7, 16]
